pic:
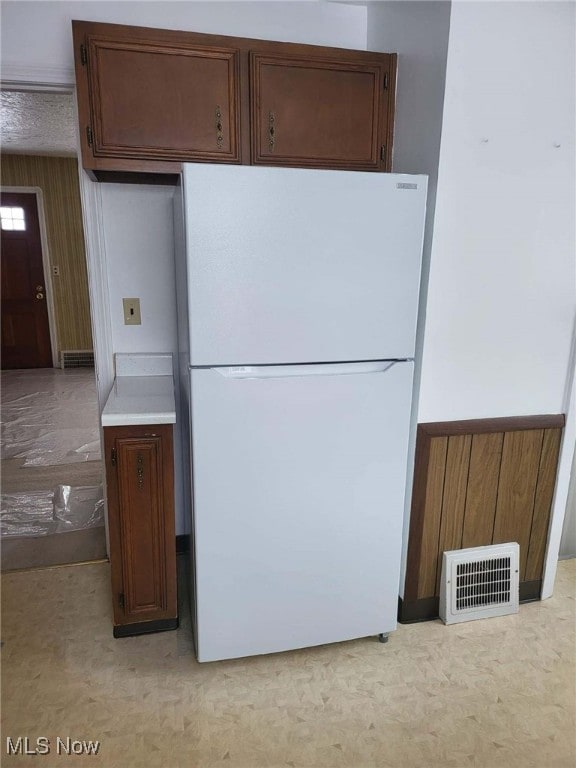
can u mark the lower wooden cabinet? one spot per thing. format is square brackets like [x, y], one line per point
[140, 489]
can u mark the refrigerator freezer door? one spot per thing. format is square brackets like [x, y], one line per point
[299, 494]
[299, 266]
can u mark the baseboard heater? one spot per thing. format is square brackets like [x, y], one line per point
[77, 358]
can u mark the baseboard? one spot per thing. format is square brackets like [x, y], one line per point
[428, 608]
[144, 627]
[530, 590]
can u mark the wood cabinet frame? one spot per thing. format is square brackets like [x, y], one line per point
[146, 170]
[95, 44]
[379, 160]
[143, 601]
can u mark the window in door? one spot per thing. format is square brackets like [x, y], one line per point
[12, 218]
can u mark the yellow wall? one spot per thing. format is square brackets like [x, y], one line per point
[57, 177]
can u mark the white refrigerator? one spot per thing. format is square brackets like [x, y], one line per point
[297, 302]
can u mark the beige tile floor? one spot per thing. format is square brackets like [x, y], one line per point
[498, 692]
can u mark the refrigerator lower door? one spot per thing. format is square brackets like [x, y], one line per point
[299, 480]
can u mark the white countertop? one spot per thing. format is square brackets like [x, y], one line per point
[140, 400]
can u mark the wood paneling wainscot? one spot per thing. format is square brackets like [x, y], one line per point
[479, 482]
[57, 177]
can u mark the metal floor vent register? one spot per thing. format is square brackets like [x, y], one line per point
[77, 358]
[479, 582]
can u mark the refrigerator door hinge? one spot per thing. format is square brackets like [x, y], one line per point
[113, 457]
[89, 136]
[385, 81]
[121, 600]
[383, 152]
[83, 55]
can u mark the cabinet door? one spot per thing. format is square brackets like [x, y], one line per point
[161, 101]
[317, 112]
[139, 475]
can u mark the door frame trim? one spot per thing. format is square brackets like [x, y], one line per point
[46, 264]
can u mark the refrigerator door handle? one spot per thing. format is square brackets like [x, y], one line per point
[310, 369]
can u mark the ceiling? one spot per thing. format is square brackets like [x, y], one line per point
[37, 123]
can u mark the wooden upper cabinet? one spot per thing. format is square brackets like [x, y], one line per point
[321, 112]
[163, 102]
[151, 99]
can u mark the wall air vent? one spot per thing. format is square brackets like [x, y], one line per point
[77, 358]
[479, 582]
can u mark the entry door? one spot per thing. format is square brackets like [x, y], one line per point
[25, 328]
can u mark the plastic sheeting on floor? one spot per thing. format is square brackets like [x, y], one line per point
[39, 513]
[50, 417]
[39, 447]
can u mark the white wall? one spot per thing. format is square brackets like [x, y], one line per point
[139, 242]
[38, 35]
[418, 32]
[501, 296]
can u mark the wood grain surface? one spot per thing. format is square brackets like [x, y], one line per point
[433, 517]
[483, 479]
[516, 489]
[140, 493]
[340, 130]
[146, 101]
[491, 484]
[542, 504]
[454, 497]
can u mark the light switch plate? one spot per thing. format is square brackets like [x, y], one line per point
[132, 312]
